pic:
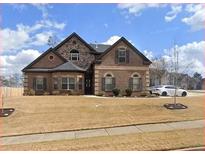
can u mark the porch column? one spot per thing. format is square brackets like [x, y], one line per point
[147, 80]
[96, 82]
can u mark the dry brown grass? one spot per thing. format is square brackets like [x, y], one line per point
[143, 141]
[36, 114]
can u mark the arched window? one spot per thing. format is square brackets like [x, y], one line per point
[74, 55]
[136, 82]
[108, 82]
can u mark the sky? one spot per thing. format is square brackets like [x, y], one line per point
[154, 29]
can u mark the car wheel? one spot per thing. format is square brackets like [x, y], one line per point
[164, 93]
[184, 94]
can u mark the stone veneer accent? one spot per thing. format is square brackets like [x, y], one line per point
[85, 57]
[147, 80]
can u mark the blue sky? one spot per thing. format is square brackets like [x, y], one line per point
[151, 28]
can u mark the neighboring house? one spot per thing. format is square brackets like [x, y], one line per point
[160, 77]
[82, 68]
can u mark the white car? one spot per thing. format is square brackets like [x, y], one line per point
[167, 90]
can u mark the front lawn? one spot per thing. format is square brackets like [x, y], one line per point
[35, 114]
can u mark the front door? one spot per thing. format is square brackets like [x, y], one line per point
[88, 82]
[88, 86]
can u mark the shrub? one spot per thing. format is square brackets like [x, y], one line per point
[46, 93]
[116, 92]
[30, 92]
[128, 92]
[144, 94]
[100, 94]
[66, 92]
[55, 92]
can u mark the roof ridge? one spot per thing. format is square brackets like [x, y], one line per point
[81, 39]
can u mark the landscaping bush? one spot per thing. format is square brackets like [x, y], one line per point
[144, 94]
[46, 93]
[116, 92]
[30, 92]
[55, 92]
[128, 92]
[66, 92]
[99, 94]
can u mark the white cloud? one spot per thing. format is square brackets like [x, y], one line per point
[197, 18]
[136, 9]
[43, 7]
[42, 38]
[171, 15]
[15, 63]
[112, 40]
[14, 39]
[191, 57]
[25, 36]
[148, 54]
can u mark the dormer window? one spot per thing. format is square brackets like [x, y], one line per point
[74, 55]
[122, 55]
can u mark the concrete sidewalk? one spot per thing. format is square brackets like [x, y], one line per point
[101, 132]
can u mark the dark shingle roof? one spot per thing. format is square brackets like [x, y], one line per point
[68, 66]
[100, 47]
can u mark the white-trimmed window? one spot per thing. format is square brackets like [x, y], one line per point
[74, 55]
[122, 55]
[109, 82]
[136, 82]
[39, 83]
[68, 83]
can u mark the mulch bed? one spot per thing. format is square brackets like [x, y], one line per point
[172, 106]
[6, 112]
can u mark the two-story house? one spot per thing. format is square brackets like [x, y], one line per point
[82, 68]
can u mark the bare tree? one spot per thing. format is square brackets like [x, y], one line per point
[52, 41]
[159, 68]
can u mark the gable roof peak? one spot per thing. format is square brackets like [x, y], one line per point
[74, 34]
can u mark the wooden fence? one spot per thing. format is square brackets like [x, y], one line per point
[11, 91]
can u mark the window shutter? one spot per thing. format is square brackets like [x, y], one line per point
[127, 56]
[113, 83]
[131, 83]
[59, 83]
[116, 57]
[34, 83]
[103, 84]
[140, 84]
[44, 83]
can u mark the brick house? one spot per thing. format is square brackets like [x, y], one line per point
[81, 68]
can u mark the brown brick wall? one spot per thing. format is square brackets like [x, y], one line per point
[50, 76]
[121, 78]
[134, 59]
[121, 72]
[85, 58]
[46, 63]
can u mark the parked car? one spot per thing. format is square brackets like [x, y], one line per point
[168, 90]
